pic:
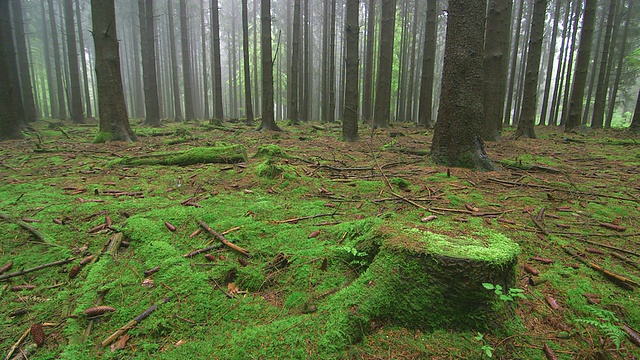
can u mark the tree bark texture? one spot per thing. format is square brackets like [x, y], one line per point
[428, 65]
[186, 62]
[247, 73]
[9, 124]
[268, 119]
[26, 89]
[218, 111]
[351, 95]
[367, 86]
[77, 115]
[382, 110]
[294, 116]
[149, 79]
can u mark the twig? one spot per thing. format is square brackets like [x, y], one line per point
[628, 283]
[221, 289]
[25, 226]
[609, 247]
[40, 267]
[114, 244]
[588, 193]
[295, 220]
[223, 239]
[200, 251]
[131, 324]
[17, 344]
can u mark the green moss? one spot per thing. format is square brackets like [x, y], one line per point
[198, 155]
[400, 182]
[102, 137]
[268, 169]
[270, 150]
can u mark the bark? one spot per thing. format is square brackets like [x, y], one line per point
[26, 88]
[408, 106]
[621, 57]
[594, 66]
[324, 102]
[331, 101]
[530, 96]
[77, 115]
[218, 111]
[402, 64]
[51, 80]
[351, 95]
[9, 124]
[635, 122]
[147, 45]
[456, 140]
[62, 105]
[494, 70]
[551, 62]
[268, 120]
[382, 110]
[114, 123]
[513, 65]
[85, 70]
[603, 73]
[205, 82]
[294, 116]
[175, 82]
[10, 59]
[256, 94]
[367, 86]
[584, 54]
[305, 99]
[186, 62]
[428, 66]
[247, 73]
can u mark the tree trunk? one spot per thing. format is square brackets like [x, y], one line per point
[175, 82]
[256, 94]
[351, 96]
[367, 86]
[26, 88]
[147, 45]
[247, 73]
[555, 99]
[621, 57]
[77, 115]
[85, 69]
[305, 99]
[593, 66]
[114, 123]
[551, 62]
[331, 105]
[10, 59]
[635, 122]
[9, 123]
[218, 111]
[51, 80]
[522, 64]
[428, 66]
[584, 53]
[408, 106]
[186, 62]
[294, 116]
[205, 82]
[513, 65]
[530, 96]
[494, 75]
[382, 111]
[603, 74]
[268, 120]
[456, 140]
[62, 105]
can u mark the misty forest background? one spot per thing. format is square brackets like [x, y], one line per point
[181, 60]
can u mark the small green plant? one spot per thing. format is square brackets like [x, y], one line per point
[509, 296]
[487, 350]
[355, 257]
[607, 322]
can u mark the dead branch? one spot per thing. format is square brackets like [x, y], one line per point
[200, 251]
[91, 321]
[588, 193]
[295, 220]
[221, 289]
[609, 247]
[17, 344]
[40, 267]
[626, 282]
[131, 324]
[223, 239]
[25, 226]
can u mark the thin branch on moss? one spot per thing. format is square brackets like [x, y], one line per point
[25, 226]
[40, 267]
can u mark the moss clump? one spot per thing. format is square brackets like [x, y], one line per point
[400, 183]
[102, 137]
[271, 150]
[268, 170]
[225, 154]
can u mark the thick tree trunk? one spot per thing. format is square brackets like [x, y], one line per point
[584, 54]
[9, 124]
[494, 74]
[351, 95]
[147, 45]
[10, 59]
[367, 86]
[635, 122]
[621, 57]
[26, 88]
[382, 110]
[114, 123]
[294, 116]
[603, 73]
[428, 66]
[85, 69]
[205, 81]
[186, 62]
[456, 141]
[218, 111]
[268, 120]
[530, 96]
[51, 80]
[175, 67]
[331, 100]
[77, 115]
[247, 73]
[550, 63]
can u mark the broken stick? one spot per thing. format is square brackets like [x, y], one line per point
[131, 324]
[223, 239]
[626, 282]
[40, 267]
[25, 226]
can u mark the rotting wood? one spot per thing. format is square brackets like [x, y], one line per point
[223, 239]
[25, 226]
[40, 267]
[613, 227]
[626, 260]
[131, 324]
[114, 244]
[619, 279]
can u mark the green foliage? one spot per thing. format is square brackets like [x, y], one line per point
[607, 322]
[511, 294]
[487, 350]
[400, 182]
[102, 137]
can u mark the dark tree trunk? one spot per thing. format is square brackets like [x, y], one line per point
[256, 93]
[268, 119]
[428, 66]
[530, 96]
[62, 105]
[367, 86]
[51, 80]
[324, 104]
[26, 88]
[351, 29]
[551, 62]
[584, 53]
[175, 67]
[186, 62]
[408, 106]
[77, 115]
[305, 100]
[513, 64]
[621, 57]
[494, 75]
[456, 138]
[10, 59]
[635, 122]
[294, 116]
[9, 123]
[331, 105]
[247, 72]
[205, 82]
[382, 111]
[85, 70]
[603, 74]
[147, 45]
[114, 123]
[218, 111]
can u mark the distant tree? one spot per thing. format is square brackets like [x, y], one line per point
[205, 82]
[77, 114]
[268, 119]
[550, 63]
[530, 96]
[294, 116]
[382, 110]
[635, 122]
[9, 124]
[83, 62]
[307, 65]
[147, 45]
[330, 115]
[114, 123]
[511, 81]
[218, 111]
[367, 86]
[582, 64]
[621, 58]
[10, 59]
[456, 140]
[175, 67]
[247, 71]
[604, 69]
[351, 95]
[51, 80]
[428, 66]
[61, 96]
[23, 64]
[186, 62]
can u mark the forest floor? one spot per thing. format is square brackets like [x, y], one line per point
[302, 209]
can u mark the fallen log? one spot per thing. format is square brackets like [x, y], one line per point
[229, 154]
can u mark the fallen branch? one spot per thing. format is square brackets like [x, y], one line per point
[91, 321]
[200, 251]
[610, 247]
[131, 324]
[40, 267]
[628, 283]
[223, 239]
[17, 344]
[588, 193]
[25, 226]
[221, 289]
[295, 220]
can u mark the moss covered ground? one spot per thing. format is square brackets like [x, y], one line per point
[324, 223]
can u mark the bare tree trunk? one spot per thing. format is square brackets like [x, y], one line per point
[10, 126]
[603, 74]
[257, 103]
[218, 112]
[367, 86]
[550, 63]
[62, 105]
[186, 62]
[306, 100]
[77, 115]
[530, 96]
[114, 123]
[247, 73]
[268, 120]
[331, 108]
[635, 122]
[51, 80]
[205, 81]
[555, 99]
[621, 57]
[584, 53]
[382, 110]
[522, 64]
[85, 70]
[175, 82]
[593, 67]
[26, 89]
[513, 65]
[428, 66]
[408, 106]
[294, 116]
[566, 94]
[147, 45]
[351, 96]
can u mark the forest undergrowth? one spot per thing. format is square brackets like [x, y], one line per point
[252, 255]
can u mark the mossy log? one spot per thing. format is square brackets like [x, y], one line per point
[199, 155]
[425, 281]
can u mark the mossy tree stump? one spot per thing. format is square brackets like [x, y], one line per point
[426, 281]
